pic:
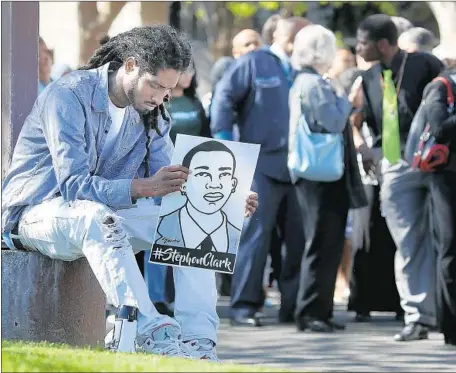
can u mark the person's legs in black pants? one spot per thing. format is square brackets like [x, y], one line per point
[277, 241]
[360, 286]
[294, 248]
[247, 295]
[443, 210]
[360, 280]
[326, 208]
[276, 253]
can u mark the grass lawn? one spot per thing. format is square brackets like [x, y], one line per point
[46, 357]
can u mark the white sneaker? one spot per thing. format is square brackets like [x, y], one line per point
[202, 349]
[163, 340]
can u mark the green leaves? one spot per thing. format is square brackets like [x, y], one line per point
[387, 8]
[272, 6]
[242, 9]
[248, 9]
[200, 14]
[298, 8]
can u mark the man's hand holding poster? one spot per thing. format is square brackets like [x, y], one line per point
[200, 226]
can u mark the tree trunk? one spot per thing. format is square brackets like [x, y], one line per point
[223, 22]
[445, 14]
[174, 14]
[19, 71]
[155, 12]
[94, 25]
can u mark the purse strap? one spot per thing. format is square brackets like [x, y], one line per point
[426, 134]
[303, 118]
[450, 94]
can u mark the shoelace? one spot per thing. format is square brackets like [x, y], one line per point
[194, 346]
[172, 349]
[168, 347]
[175, 347]
[187, 349]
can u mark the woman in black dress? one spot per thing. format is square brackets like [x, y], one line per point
[372, 282]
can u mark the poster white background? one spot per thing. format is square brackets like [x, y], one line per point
[246, 158]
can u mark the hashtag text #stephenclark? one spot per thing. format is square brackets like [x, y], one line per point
[179, 256]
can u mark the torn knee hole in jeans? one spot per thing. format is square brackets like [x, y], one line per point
[114, 233]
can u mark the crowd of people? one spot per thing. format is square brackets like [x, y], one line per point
[350, 230]
[382, 227]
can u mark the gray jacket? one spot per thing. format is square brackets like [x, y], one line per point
[325, 111]
[315, 97]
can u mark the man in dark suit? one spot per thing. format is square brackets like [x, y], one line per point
[255, 89]
[393, 90]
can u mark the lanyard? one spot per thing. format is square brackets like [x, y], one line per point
[400, 76]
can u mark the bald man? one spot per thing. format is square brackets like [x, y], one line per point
[246, 41]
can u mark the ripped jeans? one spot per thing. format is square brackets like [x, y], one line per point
[109, 240]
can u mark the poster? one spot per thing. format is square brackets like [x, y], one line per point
[200, 226]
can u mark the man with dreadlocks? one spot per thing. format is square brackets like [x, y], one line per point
[87, 174]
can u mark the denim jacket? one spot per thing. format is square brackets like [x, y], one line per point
[58, 149]
[315, 97]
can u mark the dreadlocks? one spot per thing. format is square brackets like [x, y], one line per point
[154, 48]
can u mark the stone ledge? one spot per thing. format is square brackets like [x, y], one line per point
[51, 300]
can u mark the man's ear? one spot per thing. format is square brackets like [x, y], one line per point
[234, 183]
[183, 189]
[130, 64]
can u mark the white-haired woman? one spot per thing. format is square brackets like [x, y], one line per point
[324, 205]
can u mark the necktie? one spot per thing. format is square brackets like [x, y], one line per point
[207, 244]
[391, 145]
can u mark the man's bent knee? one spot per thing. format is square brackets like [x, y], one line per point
[109, 226]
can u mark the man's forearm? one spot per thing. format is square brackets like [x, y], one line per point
[358, 139]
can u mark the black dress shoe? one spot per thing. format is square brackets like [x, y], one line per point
[363, 317]
[163, 309]
[450, 341]
[412, 332]
[314, 325]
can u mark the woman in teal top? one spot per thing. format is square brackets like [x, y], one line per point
[187, 113]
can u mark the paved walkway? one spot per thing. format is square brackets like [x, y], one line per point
[361, 347]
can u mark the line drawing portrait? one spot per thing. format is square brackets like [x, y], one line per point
[201, 222]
